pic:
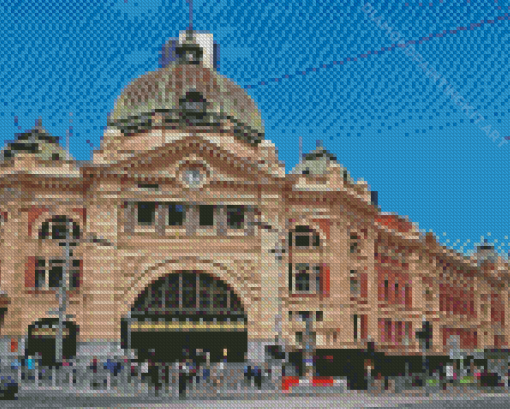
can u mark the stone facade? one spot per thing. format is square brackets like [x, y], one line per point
[308, 241]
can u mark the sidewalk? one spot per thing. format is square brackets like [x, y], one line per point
[264, 394]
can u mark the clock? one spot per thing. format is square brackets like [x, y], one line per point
[192, 177]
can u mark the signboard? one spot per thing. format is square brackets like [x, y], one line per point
[48, 332]
[194, 326]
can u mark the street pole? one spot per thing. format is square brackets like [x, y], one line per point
[424, 352]
[62, 292]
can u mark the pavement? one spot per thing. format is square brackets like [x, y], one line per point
[348, 399]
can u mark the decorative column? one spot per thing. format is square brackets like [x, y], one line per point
[249, 221]
[103, 282]
[192, 219]
[161, 216]
[222, 220]
[129, 217]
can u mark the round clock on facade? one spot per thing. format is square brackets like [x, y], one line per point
[193, 177]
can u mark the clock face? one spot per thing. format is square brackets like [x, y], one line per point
[193, 177]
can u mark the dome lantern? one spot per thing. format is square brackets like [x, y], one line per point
[189, 52]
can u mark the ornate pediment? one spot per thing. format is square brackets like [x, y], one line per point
[192, 162]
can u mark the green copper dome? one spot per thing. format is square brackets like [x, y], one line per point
[164, 89]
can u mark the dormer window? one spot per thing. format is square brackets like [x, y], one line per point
[193, 105]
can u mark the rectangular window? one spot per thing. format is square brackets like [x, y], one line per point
[302, 277]
[319, 315]
[40, 274]
[206, 215]
[75, 274]
[152, 186]
[146, 213]
[235, 217]
[291, 284]
[302, 240]
[55, 276]
[386, 290]
[176, 215]
[299, 337]
[305, 278]
[355, 283]
[356, 327]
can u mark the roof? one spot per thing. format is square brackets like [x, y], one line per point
[317, 162]
[162, 90]
[37, 142]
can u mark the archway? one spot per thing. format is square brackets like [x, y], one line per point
[187, 310]
[42, 335]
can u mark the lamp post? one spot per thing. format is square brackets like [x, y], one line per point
[62, 293]
[63, 285]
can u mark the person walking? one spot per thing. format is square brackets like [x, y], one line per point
[94, 367]
[247, 375]
[183, 379]
[258, 377]
[207, 368]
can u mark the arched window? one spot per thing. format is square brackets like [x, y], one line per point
[56, 229]
[304, 237]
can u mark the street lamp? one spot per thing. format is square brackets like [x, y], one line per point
[62, 293]
[63, 287]
[425, 336]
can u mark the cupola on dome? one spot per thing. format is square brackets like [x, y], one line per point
[184, 83]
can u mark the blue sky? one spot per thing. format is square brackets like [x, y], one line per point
[431, 142]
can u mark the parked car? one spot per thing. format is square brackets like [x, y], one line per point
[8, 388]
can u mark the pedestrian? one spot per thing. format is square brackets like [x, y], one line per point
[207, 368]
[196, 365]
[247, 374]
[144, 369]
[182, 378]
[134, 369]
[153, 372]
[449, 373]
[93, 367]
[258, 377]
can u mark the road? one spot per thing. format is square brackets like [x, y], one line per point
[347, 400]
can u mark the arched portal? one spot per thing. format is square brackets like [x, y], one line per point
[42, 335]
[188, 310]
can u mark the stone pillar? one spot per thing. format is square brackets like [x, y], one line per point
[161, 217]
[221, 212]
[271, 271]
[99, 326]
[192, 219]
[505, 296]
[14, 255]
[372, 288]
[129, 217]
[250, 221]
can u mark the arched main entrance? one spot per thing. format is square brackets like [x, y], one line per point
[42, 335]
[188, 310]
